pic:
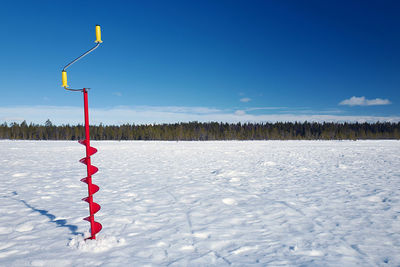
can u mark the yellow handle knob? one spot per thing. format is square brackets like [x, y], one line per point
[64, 79]
[98, 34]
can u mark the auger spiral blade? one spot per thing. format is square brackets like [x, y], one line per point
[96, 207]
[82, 142]
[93, 170]
[91, 151]
[85, 161]
[92, 188]
[97, 226]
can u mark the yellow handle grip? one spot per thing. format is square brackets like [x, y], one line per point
[64, 79]
[98, 34]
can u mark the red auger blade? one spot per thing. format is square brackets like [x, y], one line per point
[96, 207]
[87, 218]
[83, 160]
[92, 150]
[92, 170]
[97, 228]
[82, 142]
[88, 201]
[94, 188]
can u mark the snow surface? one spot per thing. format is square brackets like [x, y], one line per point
[261, 203]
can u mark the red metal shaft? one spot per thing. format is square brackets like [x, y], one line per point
[88, 163]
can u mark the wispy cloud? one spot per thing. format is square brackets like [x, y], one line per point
[292, 110]
[245, 99]
[240, 112]
[265, 108]
[169, 114]
[117, 93]
[362, 101]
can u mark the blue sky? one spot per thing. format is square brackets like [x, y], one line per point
[171, 61]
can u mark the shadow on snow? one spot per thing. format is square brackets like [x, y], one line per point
[52, 217]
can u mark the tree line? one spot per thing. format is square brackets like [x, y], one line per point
[205, 131]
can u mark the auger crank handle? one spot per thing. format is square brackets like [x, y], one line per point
[64, 72]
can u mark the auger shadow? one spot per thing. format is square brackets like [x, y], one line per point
[52, 217]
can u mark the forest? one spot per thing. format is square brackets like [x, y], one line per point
[200, 131]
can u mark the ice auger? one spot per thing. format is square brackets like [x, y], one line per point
[92, 188]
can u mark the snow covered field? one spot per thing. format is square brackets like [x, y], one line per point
[261, 203]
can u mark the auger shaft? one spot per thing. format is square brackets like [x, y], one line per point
[92, 188]
[88, 163]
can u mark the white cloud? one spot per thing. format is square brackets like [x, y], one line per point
[245, 99]
[378, 101]
[240, 112]
[265, 108]
[362, 101]
[157, 114]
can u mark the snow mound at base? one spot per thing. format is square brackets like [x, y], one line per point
[102, 243]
